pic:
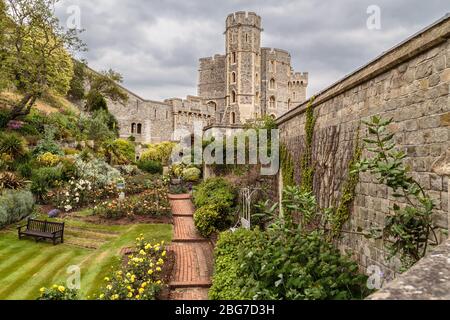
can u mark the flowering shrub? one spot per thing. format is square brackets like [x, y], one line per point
[191, 174]
[76, 194]
[48, 159]
[160, 152]
[151, 202]
[58, 292]
[140, 277]
[96, 170]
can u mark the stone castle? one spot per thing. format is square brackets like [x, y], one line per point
[245, 83]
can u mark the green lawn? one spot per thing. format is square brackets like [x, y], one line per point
[26, 266]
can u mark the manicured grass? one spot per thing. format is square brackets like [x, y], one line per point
[26, 266]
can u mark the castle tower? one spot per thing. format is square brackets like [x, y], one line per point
[243, 64]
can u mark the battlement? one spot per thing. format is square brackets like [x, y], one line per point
[300, 78]
[276, 54]
[242, 18]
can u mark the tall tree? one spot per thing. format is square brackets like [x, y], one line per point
[4, 24]
[37, 50]
[105, 85]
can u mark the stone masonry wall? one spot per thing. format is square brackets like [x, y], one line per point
[410, 83]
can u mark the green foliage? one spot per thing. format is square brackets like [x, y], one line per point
[48, 144]
[191, 174]
[150, 166]
[160, 152]
[44, 179]
[4, 118]
[15, 205]
[95, 101]
[307, 167]
[76, 91]
[100, 126]
[12, 145]
[409, 227]
[342, 213]
[106, 83]
[217, 192]
[119, 151]
[36, 52]
[207, 219]
[287, 166]
[227, 264]
[58, 293]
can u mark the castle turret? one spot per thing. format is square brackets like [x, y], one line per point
[243, 61]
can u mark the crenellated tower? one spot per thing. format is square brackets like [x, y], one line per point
[243, 67]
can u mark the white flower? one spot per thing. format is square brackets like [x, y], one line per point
[68, 208]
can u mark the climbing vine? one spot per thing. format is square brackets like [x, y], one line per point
[287, 166]
[306, 164]
[342, 213]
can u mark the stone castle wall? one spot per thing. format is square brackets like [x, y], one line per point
[410, 83]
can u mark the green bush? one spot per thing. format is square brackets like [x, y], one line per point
[227, 276]
[15, 205]
[58, 293]
[150, 166]
[44, 179]
[160, 152]
[4, 118]
[48, 144]
[191, 174]
[95, 101]
[217, 192]
[126, 150]
[13, 145]
[206, 220]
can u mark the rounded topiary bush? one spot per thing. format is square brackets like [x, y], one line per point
[206, 219]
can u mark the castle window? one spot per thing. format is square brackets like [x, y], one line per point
[133, 128]
[272, 102]
[289, 104]
[272, 84]
[212, 105]
[155, 113]
[289, 85]
[233, 77]
[167, 114]
[246, 37]
[233, 57]
[272, 65]
[233, 118]
[257, 78]
[139, 128]
[293, 95]
[233, 96]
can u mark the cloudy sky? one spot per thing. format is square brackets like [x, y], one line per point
[156, 44]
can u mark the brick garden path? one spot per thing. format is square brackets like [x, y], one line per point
[193, 269]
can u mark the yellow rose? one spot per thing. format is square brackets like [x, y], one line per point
[158, 269]
[107, 279]
[144, 284]
[130, 295]
[61, 289]
[141, 290]
[150, 272]
[42, 290]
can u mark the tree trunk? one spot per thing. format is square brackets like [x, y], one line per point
[24, 106]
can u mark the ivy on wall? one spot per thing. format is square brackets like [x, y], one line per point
[306, 165]
[342, 213]
[287, 166]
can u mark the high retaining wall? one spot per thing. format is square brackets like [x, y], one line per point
[409, 83]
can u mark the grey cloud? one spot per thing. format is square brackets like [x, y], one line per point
[156, 44]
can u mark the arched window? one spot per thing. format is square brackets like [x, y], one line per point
[273, 116]
[133, 128]
[289, 85]
[139, 128]
[233, 97]
[233, 118]
[212, 105]
[272, 84]
[233, 77]
[233, 57]
[272, 102]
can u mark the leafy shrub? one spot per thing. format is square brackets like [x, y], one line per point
[160, 152]
[25, 170]
[141, 277]
[95, 170]
[206, 220]
[150, 166]
[215, 191]
[126, 148]
[95, 101]
[12, 145]
[227, 275]
[48, 144]
[44, 179]
[48, 159]
[15, 205]
[118, 151]
[191, 174]
[9, 180]
[4, 118]
[58, 292]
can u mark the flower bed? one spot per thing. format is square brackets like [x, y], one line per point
[141, 277]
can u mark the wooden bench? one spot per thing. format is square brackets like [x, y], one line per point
[42, 230]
